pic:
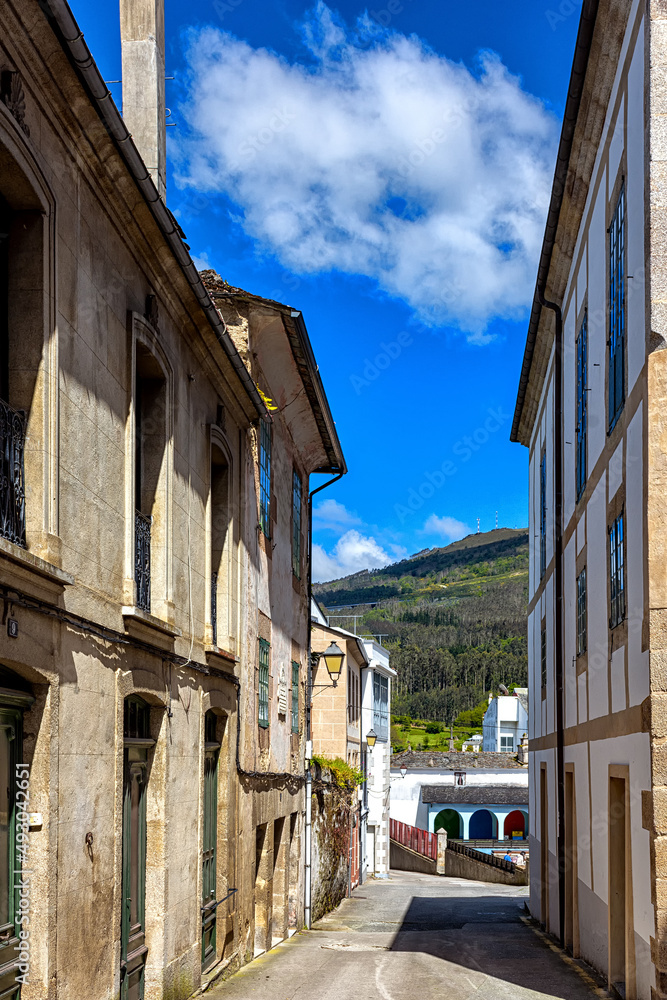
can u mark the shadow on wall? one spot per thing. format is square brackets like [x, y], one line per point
[492, 941]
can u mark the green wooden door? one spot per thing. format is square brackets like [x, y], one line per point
[209, 847]
[133, 949]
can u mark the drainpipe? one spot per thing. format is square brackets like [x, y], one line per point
[558, 561]
[309, 735]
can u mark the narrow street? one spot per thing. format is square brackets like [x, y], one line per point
[414, 937]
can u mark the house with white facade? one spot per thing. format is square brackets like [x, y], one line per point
[473, 796]
[591, 409]
[377, 676]
[505, 721]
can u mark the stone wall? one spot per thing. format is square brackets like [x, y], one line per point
[332, 826]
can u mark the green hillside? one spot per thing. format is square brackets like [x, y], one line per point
[453, 618]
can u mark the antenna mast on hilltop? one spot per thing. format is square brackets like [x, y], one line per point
[496, 520]
[478, 526]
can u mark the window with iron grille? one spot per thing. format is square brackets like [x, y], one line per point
[296, 525]
[263, 696]
[295, 696]
[582, 623]
[265, 477]
[617, 572]
[582, 405]
[543, 514]
[617, 311]
[543, 656]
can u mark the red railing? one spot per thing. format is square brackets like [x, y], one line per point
[417, 840]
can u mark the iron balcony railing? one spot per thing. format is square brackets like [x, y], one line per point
[142, 559]
[12, 477]
[214, 608]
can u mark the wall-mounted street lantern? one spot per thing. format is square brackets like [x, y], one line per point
[404, 771]
[333, 658]
[371, 738]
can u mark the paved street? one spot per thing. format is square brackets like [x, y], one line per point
[415, 937]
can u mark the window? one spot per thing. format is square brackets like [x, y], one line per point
[265, 477]
[12, 421]
[616, 572]
[381, 706]
[459, 777]
[296, 525]
[543, 513]
[295, 696]
[263, 701]
[582, 405]
[543, 658]
[617, 311]
[581, 613]
[219, 539]
[150, 428]
[506, 744]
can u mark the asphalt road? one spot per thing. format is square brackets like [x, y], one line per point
[415, 937]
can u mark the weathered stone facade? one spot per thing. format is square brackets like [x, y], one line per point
[134, 673]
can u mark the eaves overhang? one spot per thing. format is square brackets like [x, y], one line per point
[307, 367]
[71, 40]
[582, 52]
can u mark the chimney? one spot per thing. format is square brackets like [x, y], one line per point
[144, 112]
[522, 755]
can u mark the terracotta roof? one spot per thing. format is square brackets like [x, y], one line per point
[442, 760]
[497, 795]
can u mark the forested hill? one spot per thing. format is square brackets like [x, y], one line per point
[453, 618]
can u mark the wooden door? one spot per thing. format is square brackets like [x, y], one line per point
[209, 905]
[133, 928]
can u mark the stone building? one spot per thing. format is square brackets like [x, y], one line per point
[591, 411]
[153, 552]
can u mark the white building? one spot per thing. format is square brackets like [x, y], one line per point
[375, 716]
[473, 796]
[505, 722]
[591, 408]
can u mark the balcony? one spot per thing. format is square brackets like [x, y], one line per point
[12, 478]
[142, 560]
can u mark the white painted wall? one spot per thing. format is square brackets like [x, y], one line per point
[607, 685]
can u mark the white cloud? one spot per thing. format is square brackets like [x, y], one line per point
[333, 516]
[351, 553]
[378, 157]
[447, 528]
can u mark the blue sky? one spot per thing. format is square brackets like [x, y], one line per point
[385, 169]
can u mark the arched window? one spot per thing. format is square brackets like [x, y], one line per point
[220, 530]
[24, 351]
